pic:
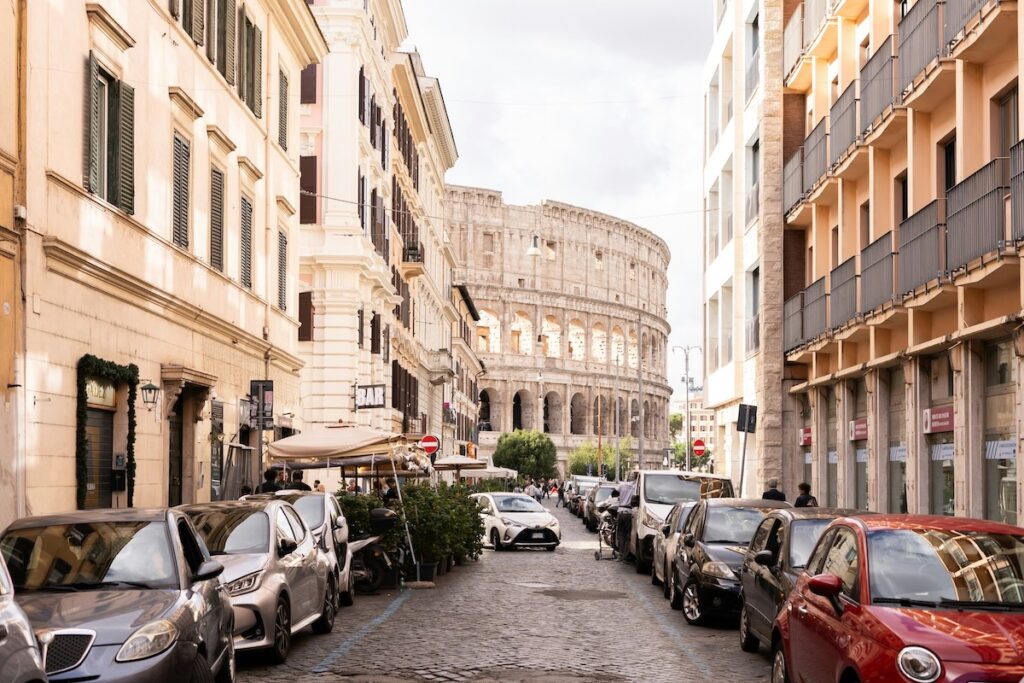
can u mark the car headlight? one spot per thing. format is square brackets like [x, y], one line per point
[718, 570]
[552, 524]
[919, 665]
[510, 522]
[148, 641]
[651, 520]
[245, 584]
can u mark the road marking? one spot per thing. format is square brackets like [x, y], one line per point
[672, 629]
[353, 640]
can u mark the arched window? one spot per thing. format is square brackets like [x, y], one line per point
[553, 413]
[489, 411]
[522, 410]
[578, 414]
[577, 340]
[551, 336]
[599, 343]
[634, 419]
[634, 350]
[522, 334]
[488, 333]
[618, 346]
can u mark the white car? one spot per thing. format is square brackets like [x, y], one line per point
[512, 520]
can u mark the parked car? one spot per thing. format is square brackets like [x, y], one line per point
[278, 581]
[581, 485]
[20, 658]
[906, 598]
[322, 514]
[118, 595]
[656, 492]
[704, 578]
[665, 543]
[777, 553]
[596, 495]
[514, 520]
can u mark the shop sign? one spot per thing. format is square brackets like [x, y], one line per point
[1001, 450]
[862, 455]
[943, 451]
[370, 396]
[805, 436]
[833, 457]
[99, 395]
[897, 453]
[261, 405]
[938, 420]
[858, 429]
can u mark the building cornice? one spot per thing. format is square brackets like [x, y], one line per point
[101, 18]
[300, 29]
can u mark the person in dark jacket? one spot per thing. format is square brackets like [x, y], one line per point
[805, 499]
[773, 492]
[297, 483]
[269, 484]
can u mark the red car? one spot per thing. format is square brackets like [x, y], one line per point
[906, 599]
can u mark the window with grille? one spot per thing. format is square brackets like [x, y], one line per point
[245, 269]
[179, 191]
[217, 219]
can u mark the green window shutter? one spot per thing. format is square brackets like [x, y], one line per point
[282, 271]
[213, 23]
[179, 192]
[126, 147]
[217, 219]
[245, 272]
[175, 6]
[257, 72]
[198, 21]
[282, 120]
[362, 97]
[228, 35]
[92, 117]
[242, 52]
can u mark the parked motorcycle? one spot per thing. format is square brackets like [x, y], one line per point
[607, 511]
[370, 564]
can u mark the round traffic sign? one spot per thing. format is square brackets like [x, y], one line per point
[430, 444]
[699, 448]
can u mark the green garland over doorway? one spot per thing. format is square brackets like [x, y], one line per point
[90, 366]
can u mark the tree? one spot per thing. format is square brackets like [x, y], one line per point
[696, 463]
[675, 425]
[584, 459]
[531, 453]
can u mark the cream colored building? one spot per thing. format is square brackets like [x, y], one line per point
[376, 272]
[702, 422]
[903, 197]
[572, 326]
[743, 235]
[158, 245]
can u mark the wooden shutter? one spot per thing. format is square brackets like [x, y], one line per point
[307, 185]
[386, 344]
[361, 200]
[92, 118]
[257, 72]
[243, 52]
[213, 26]
[305, 316]
[245, 271]
[384, 147]
[175, 7]
[375, 333]
[307, 85]
[359, 330]
[362, 97]
[125, 147]
[228, 35]
[282, 111]
[179, 192]
[217, 219]
[198, 19]
[282, 271]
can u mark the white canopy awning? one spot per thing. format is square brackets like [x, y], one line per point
[352, 444]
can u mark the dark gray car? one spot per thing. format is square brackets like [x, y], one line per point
[121, 595]
[20, 660]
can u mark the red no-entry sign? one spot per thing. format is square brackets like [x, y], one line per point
[430, 444]
[699, 448]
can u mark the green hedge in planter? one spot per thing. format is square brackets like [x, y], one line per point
[443, 522]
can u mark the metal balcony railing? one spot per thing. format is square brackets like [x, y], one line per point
[413, 253]
[753, 73]
[843, 126]
[793, 41]
[976, 219]
[919, 32]
[877, 84]
[793, 322]
[793, 181]
[816, 155]
[753, 333]
[815, 12]
[1017, 189]
[753, 202]
[876, 273]
[815, 309]
[922, 247]
[843, 297]
[956, 15]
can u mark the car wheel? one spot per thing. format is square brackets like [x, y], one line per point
[779, 672]
[348, 597]
[675, 596]
[227, 669]
[496, 539]
[282, 633]
[325, 624]
[691, 604]
[201, 670]
[748, 641]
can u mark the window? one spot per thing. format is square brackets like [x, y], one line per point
[305, 316]
[110, 119]
[755, 35]
[865, 224]
[282, 271]
[180, 191]
[359, 328]
[489, 242]
[947, 170]
[1007, 121]
[599, 260]
[864, 53]
[217, 219]
[297, 526]
[192, 20]
[220, 36]
[842, 561]
[308, 190]
[902, 197]
[307, 85]
[190, 547]
[250, 64]
[835, 246]
[282, 110]
[361, 200]
[284, 529]
[245, 266]
[375, 333]
[550, 250]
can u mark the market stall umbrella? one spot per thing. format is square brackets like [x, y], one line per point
[492, 472]
[352, 444]
[458, 463]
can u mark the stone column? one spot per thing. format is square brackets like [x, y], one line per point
[878, 438]
[819, 443]
[917, 374]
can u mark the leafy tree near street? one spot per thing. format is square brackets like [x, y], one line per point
[679, 456]
[675, 425]
[531, 453]
[584, 459]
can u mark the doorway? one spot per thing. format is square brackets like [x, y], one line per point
[175, 454]
[99, 431]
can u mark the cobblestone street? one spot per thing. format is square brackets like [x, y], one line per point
[519, 616]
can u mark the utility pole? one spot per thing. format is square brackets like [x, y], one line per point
[618, 420]
[640, 383]
[686, 381]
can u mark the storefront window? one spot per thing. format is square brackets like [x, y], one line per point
[898, 479]
[1000, 434]
[808, 470]
[860, 466]
[942, 502]
[861, 478]
[897, 461]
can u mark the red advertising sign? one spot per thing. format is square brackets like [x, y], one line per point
[805, 436]
[938, 420]
[858, 429]
[699, 449]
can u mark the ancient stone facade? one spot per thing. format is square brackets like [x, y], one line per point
[572, 327]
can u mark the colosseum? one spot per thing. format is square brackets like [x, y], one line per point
[572, 329]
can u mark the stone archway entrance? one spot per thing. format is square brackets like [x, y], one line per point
[185, 402]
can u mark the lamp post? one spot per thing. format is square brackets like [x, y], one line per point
[687, 381]
[149, 393]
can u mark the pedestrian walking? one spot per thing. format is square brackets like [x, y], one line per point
[773, 492]
[297, 484]
[561, 496]
[269, 484]
[805, 499]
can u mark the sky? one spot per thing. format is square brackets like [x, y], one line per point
[596, 103]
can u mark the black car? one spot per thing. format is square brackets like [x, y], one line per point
[705, 579]
[591, 517]
[775, 557]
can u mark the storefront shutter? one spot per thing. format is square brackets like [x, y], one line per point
[245, 271]
[179, 191]
[92, 117]
[126, 147]
[217, 219]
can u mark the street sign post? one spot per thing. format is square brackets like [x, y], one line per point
[699, 449]
[429, 444]
[746, 422]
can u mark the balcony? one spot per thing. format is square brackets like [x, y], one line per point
[753, 334]
[1017, 190]
[712, 354]
[753, 74]
[727, 228]
[726, 347]
[976, 220]
[793, 42]
[844, 128]
[816, 155]
[815, 313]
[793, 322]
[793, 181]
[922, 247]
[438, 365]
[843, 297]
[919, 32]
[877, 85]
[876, 273]
[979, 30]
[815, 12]
[753, 203]
[412, 260]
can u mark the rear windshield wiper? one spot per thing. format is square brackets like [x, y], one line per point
[905, 602]
[981, 604]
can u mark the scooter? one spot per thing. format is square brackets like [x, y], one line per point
[608, 513]
[370, 564]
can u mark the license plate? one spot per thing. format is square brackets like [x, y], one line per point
[537, 535]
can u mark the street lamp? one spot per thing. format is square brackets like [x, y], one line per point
[149, 393]
[688, 382]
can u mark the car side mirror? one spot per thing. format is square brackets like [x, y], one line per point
[764, 558]
[210, 569]
[286, 547]
[827, 586]
[689, 541]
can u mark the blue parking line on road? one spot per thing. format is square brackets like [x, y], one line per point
[353, 640]
[674, 632]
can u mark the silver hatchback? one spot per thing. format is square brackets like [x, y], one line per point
[20, 660]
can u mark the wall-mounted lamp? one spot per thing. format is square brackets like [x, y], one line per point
[534, 249]
[149, 393]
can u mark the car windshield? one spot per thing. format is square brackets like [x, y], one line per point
[920, 566]
[89, 555]
[803, 535]
[311, 509]
[603, 493]
[518, 504]
[684, 514]
[726, 524]
[233, 531]
[668, 489]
